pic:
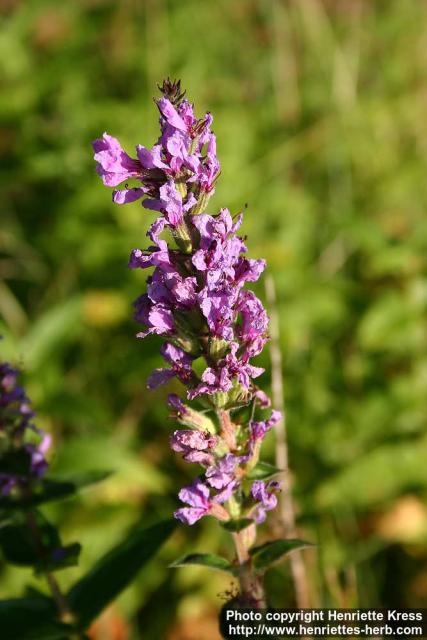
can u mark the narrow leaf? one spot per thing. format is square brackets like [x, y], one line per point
[263, 470]
[19, 546]
[31, 618]
[60, 558]
[206, 560]
[50, 489]
[114, 572]
[268, 553]
[16, 462]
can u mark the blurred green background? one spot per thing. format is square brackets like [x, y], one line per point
[320, 114]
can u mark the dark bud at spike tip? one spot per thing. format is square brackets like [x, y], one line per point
[171, 89]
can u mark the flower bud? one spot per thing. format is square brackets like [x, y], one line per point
[217, 347]
[189, 417]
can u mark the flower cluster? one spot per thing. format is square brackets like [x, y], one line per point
[196, 299]
[22, 445]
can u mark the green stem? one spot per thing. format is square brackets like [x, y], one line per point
[251, 585]
[65, 613]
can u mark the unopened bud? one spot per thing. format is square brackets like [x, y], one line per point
[190, 417]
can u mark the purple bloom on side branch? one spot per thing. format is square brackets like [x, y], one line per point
[19, 435]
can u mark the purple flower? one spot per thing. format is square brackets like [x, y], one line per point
[194, 445]
[218, 308]
[262, 398]
[151, 159]
[177, 404]
[19, 433]
[229, 370]
[158, 318]
[170, 203]
[212, 381]
[168, 286]
[248, 270]
[158, 255]
[37, 453]
[259, 429]
[240, 367]
[170, 114]
[201, 504]
[254, 317]
[181, 367]
[112, 163]
[185, 149]
[197, 496]
[125, 196]
[219, 248]
[227, 492]
[264, 494]
[221, 474]
[210, 169]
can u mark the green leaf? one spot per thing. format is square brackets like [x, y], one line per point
[263, 470]
[237, 525]
[41, 549]
[112, 573]
[19, 545]
[60, 558]
[206, 560]
[266, 554]
[17, 462]
[50, 489]
[31, 618]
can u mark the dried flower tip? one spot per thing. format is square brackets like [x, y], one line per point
[171, 90]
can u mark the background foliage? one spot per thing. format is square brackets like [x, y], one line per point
[319, 110]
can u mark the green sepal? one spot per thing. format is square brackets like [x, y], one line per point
[235, 526]
[265, 555]
[205, 560]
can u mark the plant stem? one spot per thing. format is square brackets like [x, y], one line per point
[227, 429]
[251, 585]
[65, 613]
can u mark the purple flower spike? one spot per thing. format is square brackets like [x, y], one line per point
[18, 433]
[196, 299]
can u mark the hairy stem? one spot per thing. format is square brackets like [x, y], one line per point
[251, 585]
[228, 429]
